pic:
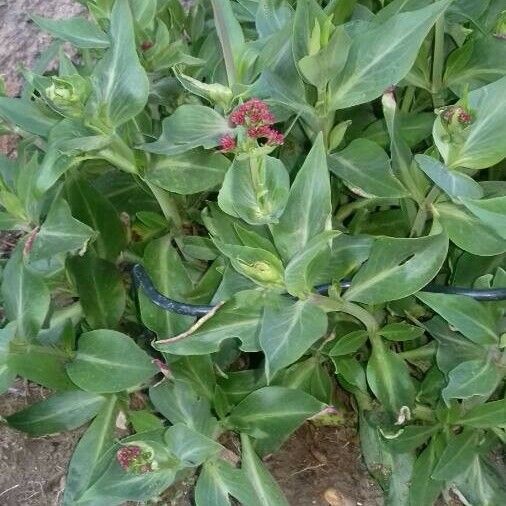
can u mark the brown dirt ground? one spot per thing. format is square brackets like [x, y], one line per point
[317, 466]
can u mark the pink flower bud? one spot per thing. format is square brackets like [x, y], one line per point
[135, 459]
[275, 137]
[227, 144]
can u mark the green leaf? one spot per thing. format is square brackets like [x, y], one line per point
[7, 375]
[92, 208]
[120, 84]
[319, 68]
[239, 317]
[483, 483]
[389, 378]
[424, 489]
[255, 189]
[492, 212]
[230, 35]
[472, 378]
[457, 456]
[398, 268]
[468, 316]
[307, 211]
[170, 277]
[271, 414]
[411, 437]
[351, 371]
[93, 444]
[179, 403]
[26, 115]
[365, 168]
[349, 343]
[480, 146]
[143, 420]
[191, 172]
[198, 371]
[44, 365]
[26, 297]
[190, 126]
[78, 31]
[100, 288]
[268, 492]
[468, 232]
[455, 184]
[60, 233]
[109, 361]
[288, 330]
[189, 446]
[60, 412]
[400, 332]
[259, 265]
[212, 488]
[305, 267]
[69, 143]
[489, 415]
[114, 485]
[479, 61]
[382, 55]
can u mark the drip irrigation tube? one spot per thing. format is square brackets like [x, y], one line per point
[143, 281]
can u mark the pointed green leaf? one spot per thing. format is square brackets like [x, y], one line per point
[171, 279]
[307, 211]
[382, 55]
[190, 126]
[365, 168]
[455, 184]
[191, 172]
[488, 415]
[60, 233]
[255, 189]
[305, 267]
[472, 378]
[457, 456]
[468, 316]
[26, 297]
[389, 378]
[58, 413]
[93, 444]
[78, 31]
[268, 492]
[492, 212]
[288, 330]
[271, 414]
[398, 268]
[100, 288]
[120, 84]
[109, 361]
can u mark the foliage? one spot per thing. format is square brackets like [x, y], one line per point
[242, 150]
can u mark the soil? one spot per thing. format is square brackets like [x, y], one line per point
[317, 466]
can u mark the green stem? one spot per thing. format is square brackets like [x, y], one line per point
[421, 216]
[342, 306]
[438, 62]
[408, 98]
[167, 203]
[426, 351]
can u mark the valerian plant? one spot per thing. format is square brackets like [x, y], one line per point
[245, 152]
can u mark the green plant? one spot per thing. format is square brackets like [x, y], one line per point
[242, 151]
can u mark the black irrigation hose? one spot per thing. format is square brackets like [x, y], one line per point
[142, 280]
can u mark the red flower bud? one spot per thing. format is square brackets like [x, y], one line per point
[134, 459]
[227, 144]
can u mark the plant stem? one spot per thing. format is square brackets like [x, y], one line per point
[167, 203]
[438, 62]
[343, 306]
[421, 216]
[408, 98]
[425, 351]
